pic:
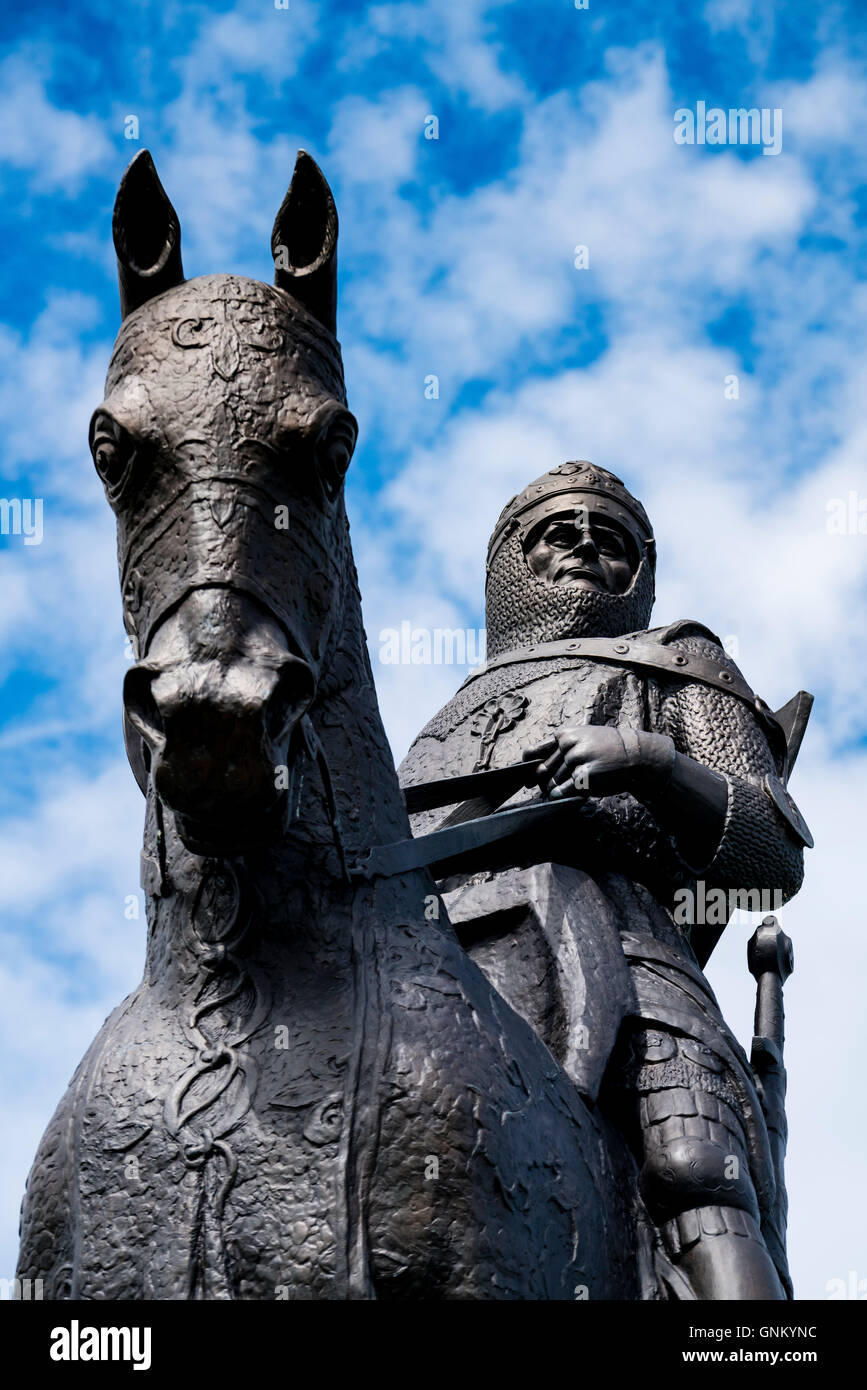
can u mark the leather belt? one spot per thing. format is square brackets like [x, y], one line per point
[618, 651]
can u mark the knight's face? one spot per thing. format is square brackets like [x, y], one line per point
[582, 549]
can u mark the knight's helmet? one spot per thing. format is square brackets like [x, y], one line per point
[522, 608]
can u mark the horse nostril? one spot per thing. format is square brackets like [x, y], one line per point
[141, 706]
[290, 698]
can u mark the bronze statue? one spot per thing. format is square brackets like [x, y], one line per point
[315, 1092]
[321, 1089]
[678, 776]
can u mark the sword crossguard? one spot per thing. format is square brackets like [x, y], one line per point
[770, 951]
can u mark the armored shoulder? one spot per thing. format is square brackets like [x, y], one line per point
[724, 733]
[706, 722]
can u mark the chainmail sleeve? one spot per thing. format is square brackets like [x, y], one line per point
[757, 850]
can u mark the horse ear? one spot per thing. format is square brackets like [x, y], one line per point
[147, 236]
[304, 242]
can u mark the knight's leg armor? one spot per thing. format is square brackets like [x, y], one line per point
[695, 1178]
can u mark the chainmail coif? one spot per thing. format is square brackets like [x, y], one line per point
[522, 609]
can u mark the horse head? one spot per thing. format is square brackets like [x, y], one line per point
[222, 444]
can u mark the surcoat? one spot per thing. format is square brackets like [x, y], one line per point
[581, 933]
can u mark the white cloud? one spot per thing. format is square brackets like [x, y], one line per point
[49, 385]
[83, 830]
[57, 148]
[456, 42]
[251, 39]
[59, 605]
[488, 278]
[225, 169]
[829, 108]
[377, 142]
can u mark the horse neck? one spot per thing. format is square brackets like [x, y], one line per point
[349, 725]
[345, 797]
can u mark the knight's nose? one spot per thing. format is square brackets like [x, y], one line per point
[213, 710]
[584, 545]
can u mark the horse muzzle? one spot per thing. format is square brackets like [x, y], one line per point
[221, 737]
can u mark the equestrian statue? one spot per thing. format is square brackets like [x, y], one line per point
[374, 1055]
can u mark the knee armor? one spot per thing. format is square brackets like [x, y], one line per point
[693, 1135]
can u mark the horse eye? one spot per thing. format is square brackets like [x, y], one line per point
[333, 453]
[112, 452]
[108, 461]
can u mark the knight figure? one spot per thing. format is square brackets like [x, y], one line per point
[675, 773]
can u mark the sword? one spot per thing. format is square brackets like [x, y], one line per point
[465, 846]
[493, 785]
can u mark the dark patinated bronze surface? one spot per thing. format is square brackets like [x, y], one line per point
[315, 1092]
[326, 1086]
[674, 772]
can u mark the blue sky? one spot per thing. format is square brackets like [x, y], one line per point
[457, 260]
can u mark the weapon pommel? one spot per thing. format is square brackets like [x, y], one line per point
[770, 951]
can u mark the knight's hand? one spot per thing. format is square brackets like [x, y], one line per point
[595, 760]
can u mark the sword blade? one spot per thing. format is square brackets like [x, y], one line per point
[444, 851]
[494, 784]
[469, 810]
